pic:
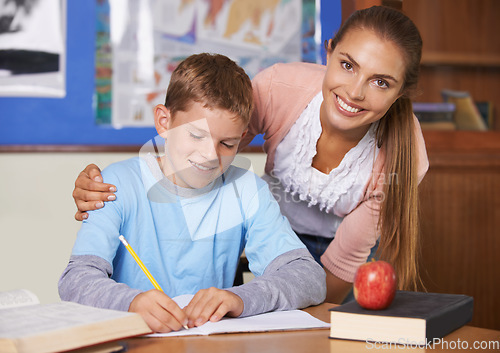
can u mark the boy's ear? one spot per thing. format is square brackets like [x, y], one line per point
[162, 119]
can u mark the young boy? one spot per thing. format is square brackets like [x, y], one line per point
[189, 214]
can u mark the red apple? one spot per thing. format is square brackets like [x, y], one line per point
[375, 285]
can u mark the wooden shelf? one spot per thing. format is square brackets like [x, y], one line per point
[462, 150]
[460, 51]
[460, 141]
[460, 59]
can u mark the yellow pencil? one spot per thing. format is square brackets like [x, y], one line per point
[142, 266]
[140, 263]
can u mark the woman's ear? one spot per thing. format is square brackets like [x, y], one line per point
[162, 119]
[329, 50]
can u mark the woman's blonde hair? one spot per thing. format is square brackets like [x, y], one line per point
[398, 222]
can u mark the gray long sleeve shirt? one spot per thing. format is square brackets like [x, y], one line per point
[292, 280]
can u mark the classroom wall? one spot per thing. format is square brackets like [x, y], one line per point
[37, 224]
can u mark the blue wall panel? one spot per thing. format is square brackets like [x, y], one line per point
[70, 120]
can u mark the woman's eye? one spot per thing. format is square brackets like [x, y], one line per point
[346, 65]
[381, 83]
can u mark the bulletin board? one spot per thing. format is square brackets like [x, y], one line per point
[68, 123]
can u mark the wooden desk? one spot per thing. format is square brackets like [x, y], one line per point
[306, 341]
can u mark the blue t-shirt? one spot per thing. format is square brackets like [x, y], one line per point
[189, 239]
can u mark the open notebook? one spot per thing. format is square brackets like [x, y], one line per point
[273, 321]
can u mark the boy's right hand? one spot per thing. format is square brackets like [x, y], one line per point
[90, 192]
[160, 312]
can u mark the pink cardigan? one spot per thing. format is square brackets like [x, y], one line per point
[281, 93]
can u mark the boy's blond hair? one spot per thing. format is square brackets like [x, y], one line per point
[213, 80]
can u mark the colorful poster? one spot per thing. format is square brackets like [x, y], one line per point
[140, 42]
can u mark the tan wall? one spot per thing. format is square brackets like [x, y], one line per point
[37, 228]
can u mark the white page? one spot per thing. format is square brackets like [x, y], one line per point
[18, 297]
[34, 319]
[183, 300]
[273, 321]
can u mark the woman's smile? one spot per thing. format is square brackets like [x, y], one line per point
[348, 107]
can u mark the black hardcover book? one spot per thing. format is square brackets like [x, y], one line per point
[412, 318]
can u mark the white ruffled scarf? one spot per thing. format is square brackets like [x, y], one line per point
[341, 189]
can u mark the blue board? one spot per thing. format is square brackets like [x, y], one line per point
[70, 120]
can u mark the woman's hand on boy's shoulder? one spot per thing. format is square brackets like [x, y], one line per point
[212, 304]
[160, 312]
[90, 192]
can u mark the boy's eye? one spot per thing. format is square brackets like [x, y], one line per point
[228, 145]
[195, 136]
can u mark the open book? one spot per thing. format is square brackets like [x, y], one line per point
[28, 326]
[273, 321]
